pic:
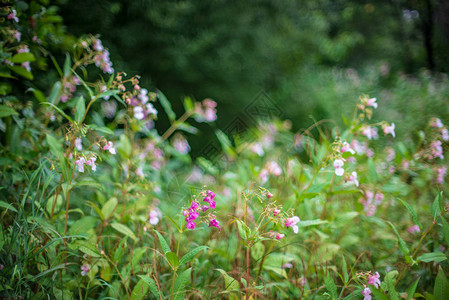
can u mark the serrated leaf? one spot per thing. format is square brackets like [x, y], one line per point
[412, 212]
[103, 129]
[152, 285]
[80, 109]
[390, 280]
[230, 283]
[88, 183]
[402, 245]
[172, 259]
[22, 57]
[180, 283]
[434, 256]
[441, 287]
[436, 207]
[242, 230]
[109, 207]
[189, 256]
[166, 106]
[330, 286]
[6, 111]
[411, 290]
[164, 245]
[83, 225]
[124, 229]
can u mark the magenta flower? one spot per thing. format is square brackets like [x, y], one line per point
[110, 146]
[276, 212]
[191, 225]
[13, 16]
[85, 269]
[353, 178]
[371, 102]
[437, 149]
[291, 222]
[91, 162]
[154, 216]
[212, 204]
[389, 129]
[445, 134]
[370, 133]
[78, 144]
[279, 236]
[374, 280]
[205, 207]
[338, 164]
[215, 223]
[269, 195]
[80, 163]
[441, 173]
[366, 294]
[437, 123]
[413, 229]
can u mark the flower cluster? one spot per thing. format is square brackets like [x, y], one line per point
[371, 201]
[102, 59]
[193, 212]
[180, 144]
[271, 168]
[206, 111]
[154, 216]
[441, 173]
[85, 269]
[69, 87]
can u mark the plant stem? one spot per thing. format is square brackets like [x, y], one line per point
[176, 124]
[247, 271]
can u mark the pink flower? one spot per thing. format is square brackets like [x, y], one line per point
[215, 223]
[213, 204]
[26, 65]
[180, 144]
[191, 225]
[291, 222]
[371, 102]
[437, 123]
[273, 168]
[370, 152]
[258, 149]
[287, 266]
[110, 146]
[413, 229]
[263, 175]
[17, 35]
[154, 216]
[366, 294]
[13, 16]
[80, 163]
[205, 207]
[437, 149]
[85, 269]
[353, 178]
[276, 212]
[370, 132]
[138, 113]
[346, 148]
[338, 164]
[279, 236]
[205, 111]
[389, 129]
[91, 162]
[378, 198]
[374, 280]
[78, 144]
[269, 195]
[390, 154]
[445, 134]
[441, 173]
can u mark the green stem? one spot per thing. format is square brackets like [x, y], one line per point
[176, 124]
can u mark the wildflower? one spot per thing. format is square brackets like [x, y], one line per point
[91, 162]
[445, 134]
[390, 154]
[378, 198]
[180, 144]
[370, 152]
[358, 147]
[346, 148]
[23, 49]
[389, 129]
[215, 223]
[287, 266]
[150, 109]
[437, 123]
[413, 229]
[85, 269]
[205, 111]
[366, 294]
[338, 164]
[154, 216]
[374, 280]
[276, 212]
[405, 164]
[269, 195]
[110, 146]
[213, 204]
[353, 178]
[17, 35]
[143, 95]
[437, 149]
[191, 225]
[291, 222]
[139, 172]
[78, 144]
[371, 102]
[26, 65]
[80, 163]
[258, 149]
[263, 175]
[441, 173]
[13, 16]
[205, 207]
[370, 132]
[138, 113]
[279, 236]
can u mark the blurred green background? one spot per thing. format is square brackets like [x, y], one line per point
[312, 57]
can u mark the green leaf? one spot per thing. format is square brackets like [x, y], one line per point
[330, 286]
[390, 280]
[445, 229]
[345, 270]
[412, 212]
[152, 285]
[55, 146]
[434, 256]
[441, 287]
[22, 57]
[59, 111]
[38, 94]
[225, 143]
[230, 283]
[311, 223]
[95, 207]
[124, 229]
[6, 75]
[89, 90]
[180, 283]
[109, 207]
[172, 259]
[80, 109]
[120, 249]
[88, 183]
[6, 111]
[67, 65]
[140, 290]
[83, 225]
[411, 290]
[402, 245]
[54, 93]
[164, 245]
[189, 256]
[8, 206]
[105, 130]
[436, 206]
[243, 230]
[22, 72]
[166, 106]
[188, 104]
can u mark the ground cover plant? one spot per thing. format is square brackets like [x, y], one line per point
[96, 203]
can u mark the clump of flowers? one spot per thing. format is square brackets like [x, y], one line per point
[69, 87]
[180, 144]
[371, 201]
[192, 213]
[85, 268]
[271, 168]
[206, 111]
